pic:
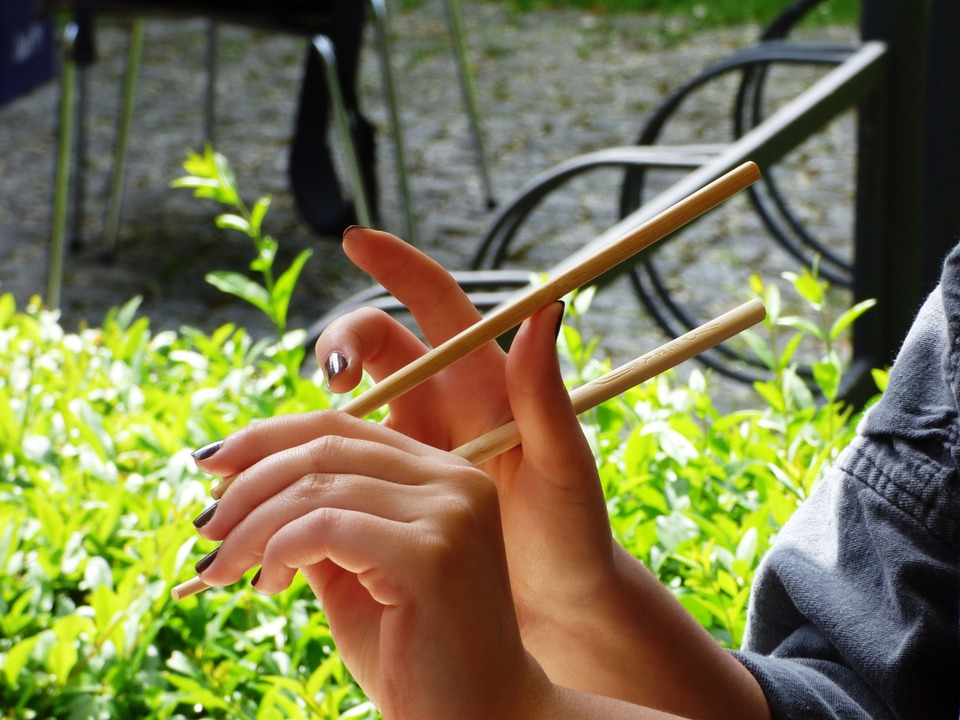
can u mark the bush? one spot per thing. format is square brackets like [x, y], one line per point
[97, 487]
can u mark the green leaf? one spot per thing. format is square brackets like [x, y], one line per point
[747, 547]
[790, 349]
[191, 181]
[796, 389]
[124, 316]
[771, 393]
[266, 254]
[243, 287]
[773, 303]
[808, 287]
[200, 165]
[8, 308]
[283, 288]
[804, 324]
[230, 221]
[760, 348]
[257, 213]
[61, 658]
[192, 692]
[849, 316]
[16, 659]
[880, 378]
[827, 377]
[675, 529]
[227, 180]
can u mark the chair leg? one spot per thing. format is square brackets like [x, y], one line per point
[213, 48]
[328, 60]
[389, 89]
[469, 90]
[62, 180]
[134, 55]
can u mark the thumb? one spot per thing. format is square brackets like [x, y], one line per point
[549, 430]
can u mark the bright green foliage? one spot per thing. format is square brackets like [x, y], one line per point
[709, 14]
[97, 489]
[210, 176]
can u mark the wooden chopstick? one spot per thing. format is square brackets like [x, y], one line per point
[598, 391]
[503, 319]
[626, 376]
[500, 321]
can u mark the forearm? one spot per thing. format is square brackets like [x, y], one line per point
[635, 642]
[562, 703]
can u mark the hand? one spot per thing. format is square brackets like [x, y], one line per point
[557, 532]
[402, 544]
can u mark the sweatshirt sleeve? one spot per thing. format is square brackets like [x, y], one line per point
[854, 610]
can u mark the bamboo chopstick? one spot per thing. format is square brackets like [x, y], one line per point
[627, 376]
[503, 319]
[499, 321]
[598, 391]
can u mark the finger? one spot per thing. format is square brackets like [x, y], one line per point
[245, 544]
[264, 438]
[549, 429]
[563, 482]
[359, 543]
[322, 470]
[439, 305]
[365, 340]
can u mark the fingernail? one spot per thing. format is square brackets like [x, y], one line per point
[256, 578]
[336, 363]
[563, 307]
[205, 517]
[351, 228]
[206, 561]
[207, 451]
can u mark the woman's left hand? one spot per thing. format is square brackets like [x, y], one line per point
[403, 546]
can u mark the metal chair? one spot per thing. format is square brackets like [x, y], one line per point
[752, 65]
[753, 137]
[291, 18]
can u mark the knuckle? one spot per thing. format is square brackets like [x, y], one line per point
[469, 515]
[320, 450]
[315, 487]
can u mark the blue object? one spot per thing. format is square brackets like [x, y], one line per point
[26, 49]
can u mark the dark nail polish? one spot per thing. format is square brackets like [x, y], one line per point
[563, 306]
[206, 561]
[207, 451]
[256, 578]
[336, 363]
[205, 517]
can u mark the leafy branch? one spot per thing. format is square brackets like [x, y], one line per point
[210, 176]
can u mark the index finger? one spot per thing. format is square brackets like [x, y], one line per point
[439, 305]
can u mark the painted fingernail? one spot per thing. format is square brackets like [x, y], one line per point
[563, 307]
[206, 561]
[205, 517]
[207, 451]
[336, 363]
[256, 578]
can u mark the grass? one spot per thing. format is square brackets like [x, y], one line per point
[713, 13]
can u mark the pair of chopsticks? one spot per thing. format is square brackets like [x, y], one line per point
[509, 316]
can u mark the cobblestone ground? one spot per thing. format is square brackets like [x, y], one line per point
[552, 85]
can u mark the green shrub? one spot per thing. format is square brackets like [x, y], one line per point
[97, 487]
